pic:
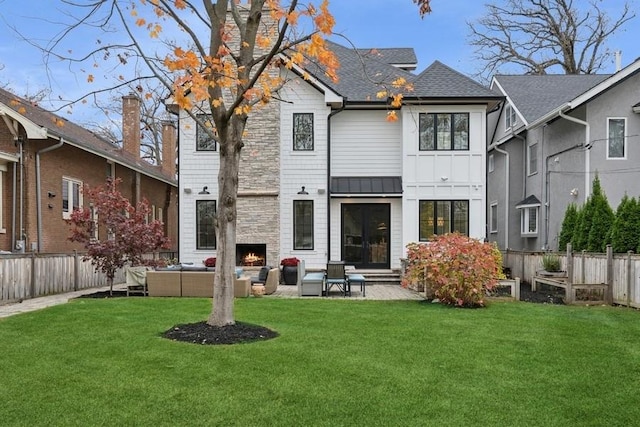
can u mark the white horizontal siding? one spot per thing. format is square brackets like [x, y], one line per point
[363, 143]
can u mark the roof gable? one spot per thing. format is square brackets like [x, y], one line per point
[56, 126]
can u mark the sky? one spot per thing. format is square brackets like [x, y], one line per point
[441, 36]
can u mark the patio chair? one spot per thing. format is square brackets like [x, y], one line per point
[262, 276]
[336, 276]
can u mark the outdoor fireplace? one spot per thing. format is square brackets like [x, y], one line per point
[254, 254]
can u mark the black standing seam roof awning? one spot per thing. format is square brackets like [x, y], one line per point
[366, 185]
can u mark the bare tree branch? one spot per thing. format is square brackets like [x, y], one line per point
[539, 36]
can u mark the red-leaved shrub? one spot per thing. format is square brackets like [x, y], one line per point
[459, 270]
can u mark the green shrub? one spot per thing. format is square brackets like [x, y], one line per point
[551, 262]
[569, 224]
[459, 269]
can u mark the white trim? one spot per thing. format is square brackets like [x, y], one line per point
[66, 214]
[491, 166]
[524, 219]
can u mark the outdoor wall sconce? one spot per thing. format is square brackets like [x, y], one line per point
[204, 190]
[51, 194]
[303, 191]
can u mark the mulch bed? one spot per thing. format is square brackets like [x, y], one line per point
[201, 333]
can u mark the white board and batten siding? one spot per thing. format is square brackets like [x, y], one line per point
[304, 168]
[197, 170]
[444, 175]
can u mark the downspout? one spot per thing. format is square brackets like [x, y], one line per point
[333, 113]
[14, 201]
[38, 189]
[506, 203]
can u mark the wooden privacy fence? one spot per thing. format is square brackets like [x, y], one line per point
[621, 272]
[24, 276]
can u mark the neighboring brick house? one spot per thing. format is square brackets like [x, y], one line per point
[551, 137]
[323, 175]
[45, 160]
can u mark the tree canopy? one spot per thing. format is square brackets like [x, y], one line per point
[542, 36]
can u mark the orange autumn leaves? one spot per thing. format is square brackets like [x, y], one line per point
[228, 70]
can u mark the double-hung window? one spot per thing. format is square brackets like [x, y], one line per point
[443, 216]
[443, 131]
[532, 158]
[616, 142]
[493, 217]
[302, 224]
[303, 131]
[204, 128]
[71, 196]
[205, 218]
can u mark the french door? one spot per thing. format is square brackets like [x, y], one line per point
[365, 234]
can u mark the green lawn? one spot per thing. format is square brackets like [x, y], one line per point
[336, 362]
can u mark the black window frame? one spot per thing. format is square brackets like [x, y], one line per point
[451, 221]
[296, 133]
[303, 228]
[210, 227]
[431, 131]
[202, 137]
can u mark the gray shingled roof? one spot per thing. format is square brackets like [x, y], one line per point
[535, 96]
[392, 55]
[79, 136]
[360, 77]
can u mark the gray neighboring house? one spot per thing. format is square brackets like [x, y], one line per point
[551, 136]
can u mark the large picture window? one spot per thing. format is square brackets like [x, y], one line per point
[303, 131]
[205, 216]
[71, 196]
[204, 141]
[616, 143]
[444, 131]
[439, 217]
[303, 224]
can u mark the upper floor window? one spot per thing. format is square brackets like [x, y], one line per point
[491, 163]
[443, 216]
[303, 224]
[444, 131]
[71, 196]
[532, 158]
[303, 131]
[616, 142]
[509, 116]
[493, 218]
[204, 140]
[205, 217]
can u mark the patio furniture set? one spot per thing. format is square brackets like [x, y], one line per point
[320, 283]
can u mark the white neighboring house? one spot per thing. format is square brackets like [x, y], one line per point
[325, 177]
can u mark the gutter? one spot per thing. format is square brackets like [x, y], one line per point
[39, 191]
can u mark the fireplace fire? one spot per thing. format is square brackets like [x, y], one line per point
[251, 254]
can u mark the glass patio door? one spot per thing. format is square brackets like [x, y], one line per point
[365, 235]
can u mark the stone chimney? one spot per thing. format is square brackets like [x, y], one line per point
[169, 148]
[131, 124]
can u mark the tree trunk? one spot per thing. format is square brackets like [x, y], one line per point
[222, 313]
[110, 282]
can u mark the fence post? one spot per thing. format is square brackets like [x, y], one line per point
[609, 295]
[76, 268]
[569, 289]
[582, 272]
[32, 282]
[629, 276]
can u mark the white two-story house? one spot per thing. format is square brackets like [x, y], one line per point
[324, 176]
